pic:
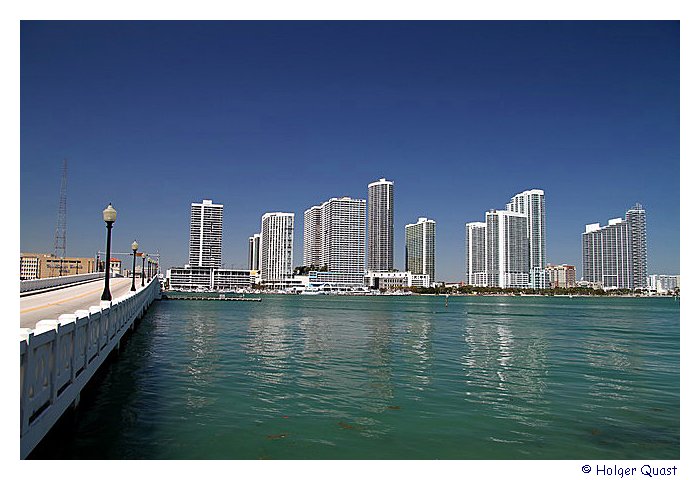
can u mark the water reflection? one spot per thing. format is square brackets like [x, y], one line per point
[505, 365]
[378, 354]
[321, 371]
[268, 347]
[202, 343]
[418, 354]
[614, 366]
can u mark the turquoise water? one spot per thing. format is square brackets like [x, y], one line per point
[303, 377]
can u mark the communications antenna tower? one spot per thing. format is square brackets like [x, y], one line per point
[59, 241]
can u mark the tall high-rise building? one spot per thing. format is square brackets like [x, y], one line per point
[616, 255]
[507, 249]
[532, 204]
[254, 252]
[276, 246]
[636, 218]
[592, 254]
[343, 235]
[206, 226]
[334, 235]
[380, 225]
[475, 248]
[313, 236]
[420, 248]
[606, 255]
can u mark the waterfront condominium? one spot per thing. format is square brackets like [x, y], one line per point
[343, 235]
[313, 236]
[206, 221]
[254, 252]
[420, 248]
[636, 218]
[531, 203]
[334, 236]
[475, 248]
[507, 249]
[615, 256]
[561, 276]
[380, 226]
[276, 246]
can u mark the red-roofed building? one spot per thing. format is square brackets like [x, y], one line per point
[115, 266]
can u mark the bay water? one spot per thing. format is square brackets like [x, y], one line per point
[387, 377]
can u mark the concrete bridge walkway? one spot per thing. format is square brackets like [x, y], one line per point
[49, 305]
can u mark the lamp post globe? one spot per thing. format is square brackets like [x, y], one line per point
[109, 215]
[134, 247]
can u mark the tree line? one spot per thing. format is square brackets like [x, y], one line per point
[474, 290]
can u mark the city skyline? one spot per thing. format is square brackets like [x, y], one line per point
[464, 114]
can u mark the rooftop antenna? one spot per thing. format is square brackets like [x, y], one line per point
[59, 240]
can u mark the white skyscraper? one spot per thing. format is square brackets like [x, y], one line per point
[531, 203]
[420, 248]
[276, 246]
[343, 235]
[507, 249]
[313, 236]
[334, 235]
[606, 254]
[380, 226]
[475, 248]
[206, 222]
[616, 255]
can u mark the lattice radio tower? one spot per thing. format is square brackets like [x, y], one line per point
[59, 241]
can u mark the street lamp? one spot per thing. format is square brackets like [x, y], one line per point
[109, 215]
[134, 247]
[143, 264]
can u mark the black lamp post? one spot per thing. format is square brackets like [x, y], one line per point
[109, 215]
[134, 247]
[143, 265]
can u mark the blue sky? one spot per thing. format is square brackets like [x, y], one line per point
[279, 116]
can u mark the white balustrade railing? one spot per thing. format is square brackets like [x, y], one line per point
[41, 283]
[60, 356]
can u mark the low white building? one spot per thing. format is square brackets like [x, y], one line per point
[336, 280]
[395, 280]
[192, 279]
[663, 283]
[115, 266]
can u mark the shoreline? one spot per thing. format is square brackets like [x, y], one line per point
[411, 294]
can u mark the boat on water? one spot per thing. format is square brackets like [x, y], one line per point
[313, 291]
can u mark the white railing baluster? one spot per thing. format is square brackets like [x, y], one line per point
[60, 356]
